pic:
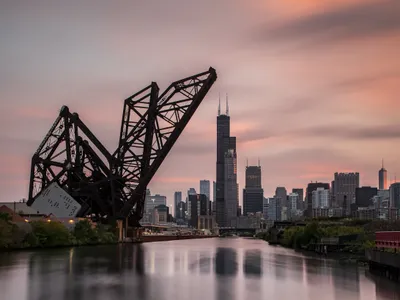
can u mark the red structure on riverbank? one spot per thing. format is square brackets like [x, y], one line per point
[385, 258]
[387, 239]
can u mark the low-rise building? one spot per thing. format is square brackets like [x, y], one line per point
[320, 212]
[206, 222]
[366, 213]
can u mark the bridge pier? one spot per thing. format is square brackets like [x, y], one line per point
[120, 226]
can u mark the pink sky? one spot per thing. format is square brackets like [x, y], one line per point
[313, 85]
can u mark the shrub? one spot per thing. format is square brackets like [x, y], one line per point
[51, 234]
[6, 234]
[85, 234]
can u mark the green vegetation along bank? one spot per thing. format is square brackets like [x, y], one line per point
[41, 234]
[308, 236]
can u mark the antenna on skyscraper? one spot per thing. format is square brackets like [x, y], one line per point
[247, 162]
[382, 163]
[227, 105]
[259, 162]
[219, 104]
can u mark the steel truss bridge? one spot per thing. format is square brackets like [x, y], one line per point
[73, 174]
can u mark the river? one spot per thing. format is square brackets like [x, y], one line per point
[206, 269]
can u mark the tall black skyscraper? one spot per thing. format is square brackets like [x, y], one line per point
[253, 194]
[226, 183]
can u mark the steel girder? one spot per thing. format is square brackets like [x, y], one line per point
[114, 185]
[66, 156]
[147, 136]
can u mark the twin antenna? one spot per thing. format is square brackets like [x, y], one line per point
[247, 162]
[219, 105]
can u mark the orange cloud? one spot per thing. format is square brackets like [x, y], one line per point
[296, 8]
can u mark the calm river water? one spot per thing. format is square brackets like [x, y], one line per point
[220, 269]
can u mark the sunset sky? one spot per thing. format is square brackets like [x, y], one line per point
[314, 85]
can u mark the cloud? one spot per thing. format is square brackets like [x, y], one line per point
[254, 134]
[382, 132]
[348, 22]
[368, 80]
[298, 105]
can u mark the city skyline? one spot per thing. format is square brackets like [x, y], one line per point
[306, 109]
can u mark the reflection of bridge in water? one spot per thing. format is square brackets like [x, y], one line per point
[216, 269]
[107, 272]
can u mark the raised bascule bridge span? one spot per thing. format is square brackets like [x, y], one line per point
[74, 175]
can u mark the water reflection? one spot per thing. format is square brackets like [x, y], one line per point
[205, 262]
[86, 272]
[347, 279]
[226, 262]
[280, 265]
[216, 269]
[384, 288]
[253, 263]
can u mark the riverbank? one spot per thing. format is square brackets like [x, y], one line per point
[345, 239]
[49, 234]
[166, 238]
[342, 257]
[162, 238]
[52, 234]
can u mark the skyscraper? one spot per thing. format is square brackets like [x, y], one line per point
[394, 191]
[345, 189]
[281, 193]
[231, 187]
[214, 200]
[300, 203]
[313, 186]
[365, 195]
[253, 194]
[226, 169]
[198, 207]
[191, 191]
[320, 198]
[205, 188]
[177, 200]
[274, 209]
[383, 178]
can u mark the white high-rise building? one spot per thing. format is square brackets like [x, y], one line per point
[293, 201]
[320, 198]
